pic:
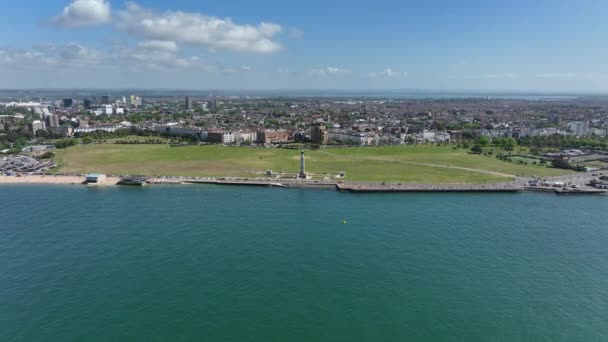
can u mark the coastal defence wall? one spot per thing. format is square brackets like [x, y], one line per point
[391, 187]
[355, 187]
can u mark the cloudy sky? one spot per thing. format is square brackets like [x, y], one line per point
[541, 45]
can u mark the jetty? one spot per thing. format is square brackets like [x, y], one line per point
[579, 191]
[133, 180]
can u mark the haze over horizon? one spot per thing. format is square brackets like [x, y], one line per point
[545, 46]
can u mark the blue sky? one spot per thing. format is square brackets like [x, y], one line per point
[552, 46]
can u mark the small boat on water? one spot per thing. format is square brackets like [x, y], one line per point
[281, 185]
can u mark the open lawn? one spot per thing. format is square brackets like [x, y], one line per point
[416, 164]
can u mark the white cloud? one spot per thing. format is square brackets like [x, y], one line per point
[198, 29]
[119, 57]
[330, 70]
[72, 54]
[163, 45]
[151, 57]
[84, 13]
[388, 73]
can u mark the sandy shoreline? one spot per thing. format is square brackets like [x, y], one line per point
[52, 179]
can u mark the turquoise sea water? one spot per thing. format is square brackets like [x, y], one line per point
[211, 263]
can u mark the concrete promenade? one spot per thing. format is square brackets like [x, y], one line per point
[402, 187]
[521, 184]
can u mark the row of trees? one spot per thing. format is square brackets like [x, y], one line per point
[563, 141]
[506, 144]
[122, 133]
[14, 140]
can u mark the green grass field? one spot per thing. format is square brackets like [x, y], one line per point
[416, 164]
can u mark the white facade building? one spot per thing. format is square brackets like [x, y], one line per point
[579, 128]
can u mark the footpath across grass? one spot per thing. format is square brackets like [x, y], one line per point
[416, 164]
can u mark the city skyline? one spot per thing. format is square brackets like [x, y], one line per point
[548, 46]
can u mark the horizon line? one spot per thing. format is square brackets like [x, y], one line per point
[345, 90]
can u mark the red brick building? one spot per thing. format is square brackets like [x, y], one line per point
[271, 136]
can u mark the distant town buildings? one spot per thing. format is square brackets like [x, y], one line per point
[67, 103]
[135, 101]
[88, 103]
[264, 121]
[41, 112]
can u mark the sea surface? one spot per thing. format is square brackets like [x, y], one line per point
[16, 94]
[212, 263]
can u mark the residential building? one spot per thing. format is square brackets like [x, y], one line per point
[52, 120]
[455, 135]
[245, 137]
[106, 109]
[220, 137]
[271, 136]
[135, 101]
[318, 135]
[351, 138]
[64, 131]
[37, 125]
[91, 129]
[579, 128]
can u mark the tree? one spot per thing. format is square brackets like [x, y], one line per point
[41, 133]
[477, 149]
[47, 155]
[482, 141]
